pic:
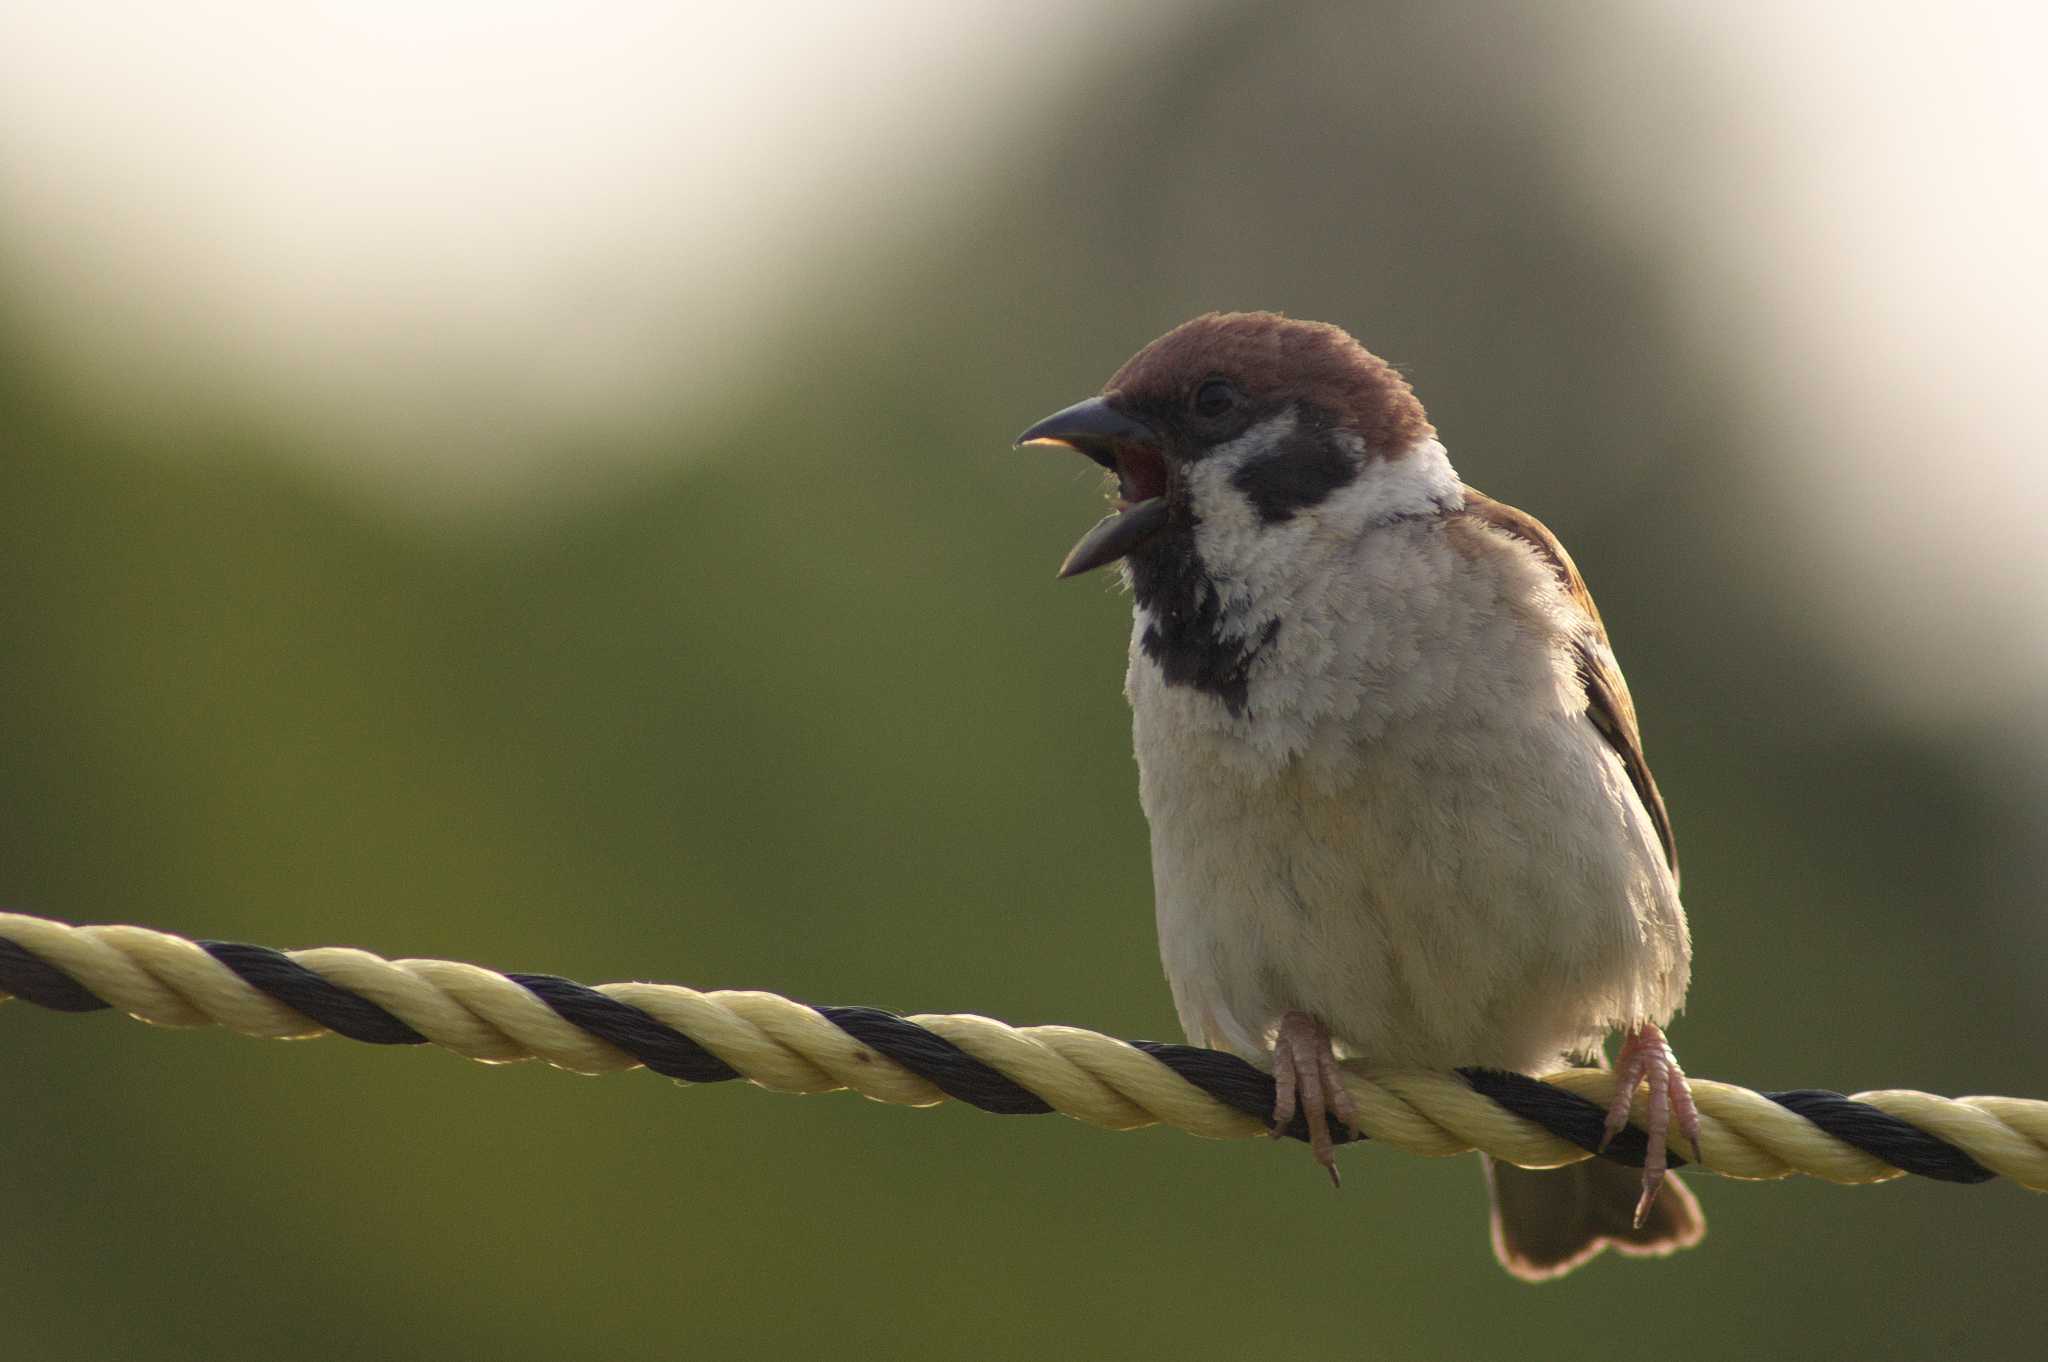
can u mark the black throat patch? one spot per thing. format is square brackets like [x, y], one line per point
[1183, 634]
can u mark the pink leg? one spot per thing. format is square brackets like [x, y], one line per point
[1305, 1067]
[1646, 1055]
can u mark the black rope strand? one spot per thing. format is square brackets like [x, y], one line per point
[661, 1048]
[1237, 1084]
[1898, 1142]
[937, 1060]
[291, 983]
[30, 979]
[1564, 1114]
[1225, 1077]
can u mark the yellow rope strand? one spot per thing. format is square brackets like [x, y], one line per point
[784, 1046]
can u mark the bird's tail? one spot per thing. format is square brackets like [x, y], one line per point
[1547, 1221]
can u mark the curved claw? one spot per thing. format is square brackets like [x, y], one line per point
[1646, 1057]
[1307, 1077]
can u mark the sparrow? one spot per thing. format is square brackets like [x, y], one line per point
[1398, 803]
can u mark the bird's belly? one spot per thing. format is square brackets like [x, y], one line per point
[1436, 911]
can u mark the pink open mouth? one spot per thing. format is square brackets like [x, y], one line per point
[1140, 474]
[1100, 430]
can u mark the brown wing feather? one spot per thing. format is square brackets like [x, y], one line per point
[1608, 705]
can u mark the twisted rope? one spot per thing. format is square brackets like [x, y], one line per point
[787, 1046]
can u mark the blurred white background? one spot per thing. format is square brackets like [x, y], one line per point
[317, 204]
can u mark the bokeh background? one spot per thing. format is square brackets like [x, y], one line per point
[530, 483]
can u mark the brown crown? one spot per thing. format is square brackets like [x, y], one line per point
[1276, 358]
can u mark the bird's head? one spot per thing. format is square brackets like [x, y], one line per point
[1238, 433]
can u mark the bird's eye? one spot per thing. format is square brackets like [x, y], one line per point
[1214, 398]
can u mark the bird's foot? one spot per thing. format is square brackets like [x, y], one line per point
[1305, 1071]
[1646, 1056]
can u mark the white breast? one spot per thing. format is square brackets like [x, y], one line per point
[1412, 831]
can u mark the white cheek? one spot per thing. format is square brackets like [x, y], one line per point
[1223, 508]
[1241, 551]
[1420, 482]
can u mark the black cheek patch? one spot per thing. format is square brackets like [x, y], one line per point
[1302, 472]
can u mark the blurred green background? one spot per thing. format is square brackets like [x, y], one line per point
[324, 628]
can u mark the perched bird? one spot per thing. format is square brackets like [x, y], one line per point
[1398, 802]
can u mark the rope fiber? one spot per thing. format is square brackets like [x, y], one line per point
[787, 1046]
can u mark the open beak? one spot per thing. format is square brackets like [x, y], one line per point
[1127, 447]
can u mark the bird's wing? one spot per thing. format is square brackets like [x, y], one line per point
[1608, 705]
